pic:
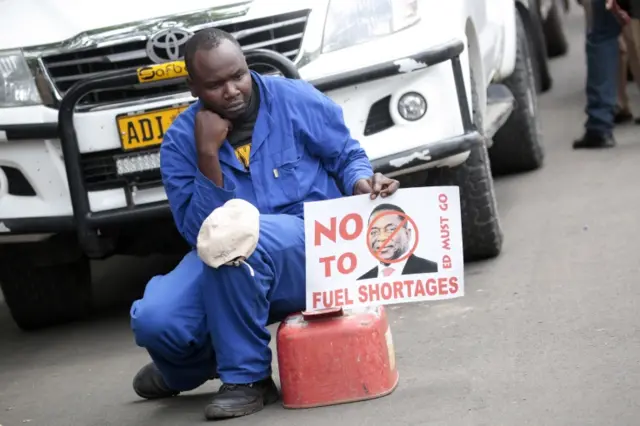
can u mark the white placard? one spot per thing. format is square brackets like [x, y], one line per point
[400, 249]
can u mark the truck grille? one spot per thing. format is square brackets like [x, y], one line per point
[281, 33]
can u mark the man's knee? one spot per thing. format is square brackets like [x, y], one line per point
[149, 323]
[170, 316]
[162, 331]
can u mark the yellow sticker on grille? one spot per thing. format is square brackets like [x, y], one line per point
[164, 71]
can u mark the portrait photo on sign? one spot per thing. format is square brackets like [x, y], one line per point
[403, 248]
[393, 238]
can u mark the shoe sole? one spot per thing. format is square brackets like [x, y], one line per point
[219, 412]
[594, 147]
[156, 396]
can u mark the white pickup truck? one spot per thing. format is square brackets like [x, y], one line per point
[437, 92]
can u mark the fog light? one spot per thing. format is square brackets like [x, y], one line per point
[138, 163]
[412, 106]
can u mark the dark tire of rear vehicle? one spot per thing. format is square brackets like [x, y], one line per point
[40, 296]
[517, 146]
[537, 46]
[542, 77]
[482, 234]
[557, 44]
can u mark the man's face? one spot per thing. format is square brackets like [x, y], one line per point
[221, 80]
[385, 225]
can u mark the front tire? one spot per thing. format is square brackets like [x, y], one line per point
[40, 293]
[517, 146]
[482, 234]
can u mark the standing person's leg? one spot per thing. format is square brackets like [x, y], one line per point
[633, 31]
[633, 49]
[623, 110]
[170, 322]
[241, 301]
[603, 30]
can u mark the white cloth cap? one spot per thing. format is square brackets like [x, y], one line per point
[229, 234]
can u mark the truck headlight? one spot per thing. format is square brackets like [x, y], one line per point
[17, 85]
[357, 21]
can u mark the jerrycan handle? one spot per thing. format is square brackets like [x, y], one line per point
[323, 313]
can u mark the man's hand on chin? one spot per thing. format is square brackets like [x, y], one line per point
[378, 184]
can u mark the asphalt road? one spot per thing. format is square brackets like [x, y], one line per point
[546, 335]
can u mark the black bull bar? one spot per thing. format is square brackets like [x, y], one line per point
[87, 223]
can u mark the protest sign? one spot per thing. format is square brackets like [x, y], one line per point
[400, 249]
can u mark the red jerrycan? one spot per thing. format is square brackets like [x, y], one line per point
[334, 356]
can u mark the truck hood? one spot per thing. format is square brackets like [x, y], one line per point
[26, 23]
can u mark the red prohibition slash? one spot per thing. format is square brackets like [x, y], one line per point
[405, 219]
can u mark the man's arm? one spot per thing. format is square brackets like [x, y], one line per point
[330, 140]
[192, 195]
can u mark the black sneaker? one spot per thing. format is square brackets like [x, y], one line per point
[592, 139]
[149, 384]
[234, 400]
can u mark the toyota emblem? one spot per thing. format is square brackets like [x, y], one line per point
[168, 45]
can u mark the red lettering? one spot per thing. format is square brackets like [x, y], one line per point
[420, 289]
[362, 294]
[327, 265]
[446, 262]
[330, 233]
[347, 299]
[387, 291]
[374, 289]
[344, 234]
[432, 287]
[316, 298]
[398, 291]
[327, 299]
[453, 285]
[408, 284]
[442, 286]
[445, 233]
[338, 297]
[443, 199]
[353, 263]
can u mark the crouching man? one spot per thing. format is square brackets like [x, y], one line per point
[275, 143]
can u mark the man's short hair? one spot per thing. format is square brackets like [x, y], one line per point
[387, 207]
[206, 39]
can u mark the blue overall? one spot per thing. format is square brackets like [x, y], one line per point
[197, 320]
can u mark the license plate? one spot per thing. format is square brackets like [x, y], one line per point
[147, 128]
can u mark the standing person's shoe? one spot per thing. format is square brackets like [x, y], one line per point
[235, 400]
[593, 139]
[149, 384]
[622, 116]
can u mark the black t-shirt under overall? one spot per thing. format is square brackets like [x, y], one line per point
[241, 135]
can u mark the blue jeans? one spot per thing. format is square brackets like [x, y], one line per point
[602, 52]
